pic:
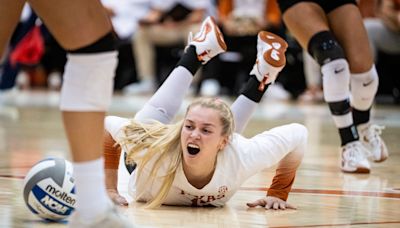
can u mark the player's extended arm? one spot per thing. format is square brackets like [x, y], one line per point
[112, 153]
[281, 184]
[284, 176]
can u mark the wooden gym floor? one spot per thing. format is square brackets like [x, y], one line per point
[31, 129]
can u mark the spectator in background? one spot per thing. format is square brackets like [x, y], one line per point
[384, 36]
[167, 23]
[382, 21]
[124, 15]
[9, 70]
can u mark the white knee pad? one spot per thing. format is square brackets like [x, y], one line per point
[363, 88]
[336, 80]
[88, 82]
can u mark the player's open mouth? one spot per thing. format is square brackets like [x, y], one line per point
[193, 149]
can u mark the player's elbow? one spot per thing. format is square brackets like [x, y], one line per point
[301, 136]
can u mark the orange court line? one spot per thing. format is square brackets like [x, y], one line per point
[296, 190]
[343, 224]
[332, 192]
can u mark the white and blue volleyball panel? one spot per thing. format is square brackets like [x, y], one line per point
[49, 189]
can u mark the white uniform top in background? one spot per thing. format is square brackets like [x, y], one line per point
[240, 159]
[166, 5]
[249, 8]
[127, 15]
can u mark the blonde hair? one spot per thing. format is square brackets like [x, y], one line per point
[163, 141]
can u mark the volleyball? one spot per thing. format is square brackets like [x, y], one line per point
[49, 190]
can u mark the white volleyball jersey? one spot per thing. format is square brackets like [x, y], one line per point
[240, 159]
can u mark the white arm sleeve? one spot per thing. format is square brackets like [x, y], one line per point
[268, 148]
[113, 125]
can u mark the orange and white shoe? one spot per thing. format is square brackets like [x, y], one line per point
[270, 58]
[370, 137]
[209, 41]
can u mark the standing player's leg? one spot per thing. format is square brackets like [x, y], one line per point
[84, 30]
[270, 61]
[314, 35]
[10, 12]
[203, 46]
[364, 77]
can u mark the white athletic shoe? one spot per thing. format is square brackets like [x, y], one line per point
[354, 158]
[112, 218]
[209, 41]
[370, 137]
[270, 57]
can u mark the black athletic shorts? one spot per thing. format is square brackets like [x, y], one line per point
[327, 5]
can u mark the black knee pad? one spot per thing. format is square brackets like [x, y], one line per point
[104, 44]
[340, 108]
[324, 48]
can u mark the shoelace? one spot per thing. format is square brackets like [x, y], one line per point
[372, 134]
[354, 152]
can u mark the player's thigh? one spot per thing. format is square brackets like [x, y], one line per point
[74, 23]
[304, 20]
[10, 11]
[347, 25]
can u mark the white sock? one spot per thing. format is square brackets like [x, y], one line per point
[336, 80]
[92, 198]
[363, 89]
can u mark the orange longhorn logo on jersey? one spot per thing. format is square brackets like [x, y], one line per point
[204, 200]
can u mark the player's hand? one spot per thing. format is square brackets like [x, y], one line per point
[117, 198]
[271, 202]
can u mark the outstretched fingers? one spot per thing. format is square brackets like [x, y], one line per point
[272, 203]
[260, 202]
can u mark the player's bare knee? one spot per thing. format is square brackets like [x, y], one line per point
[359, 63]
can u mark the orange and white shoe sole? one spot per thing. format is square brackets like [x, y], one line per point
[358, 170]
[276, 55]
